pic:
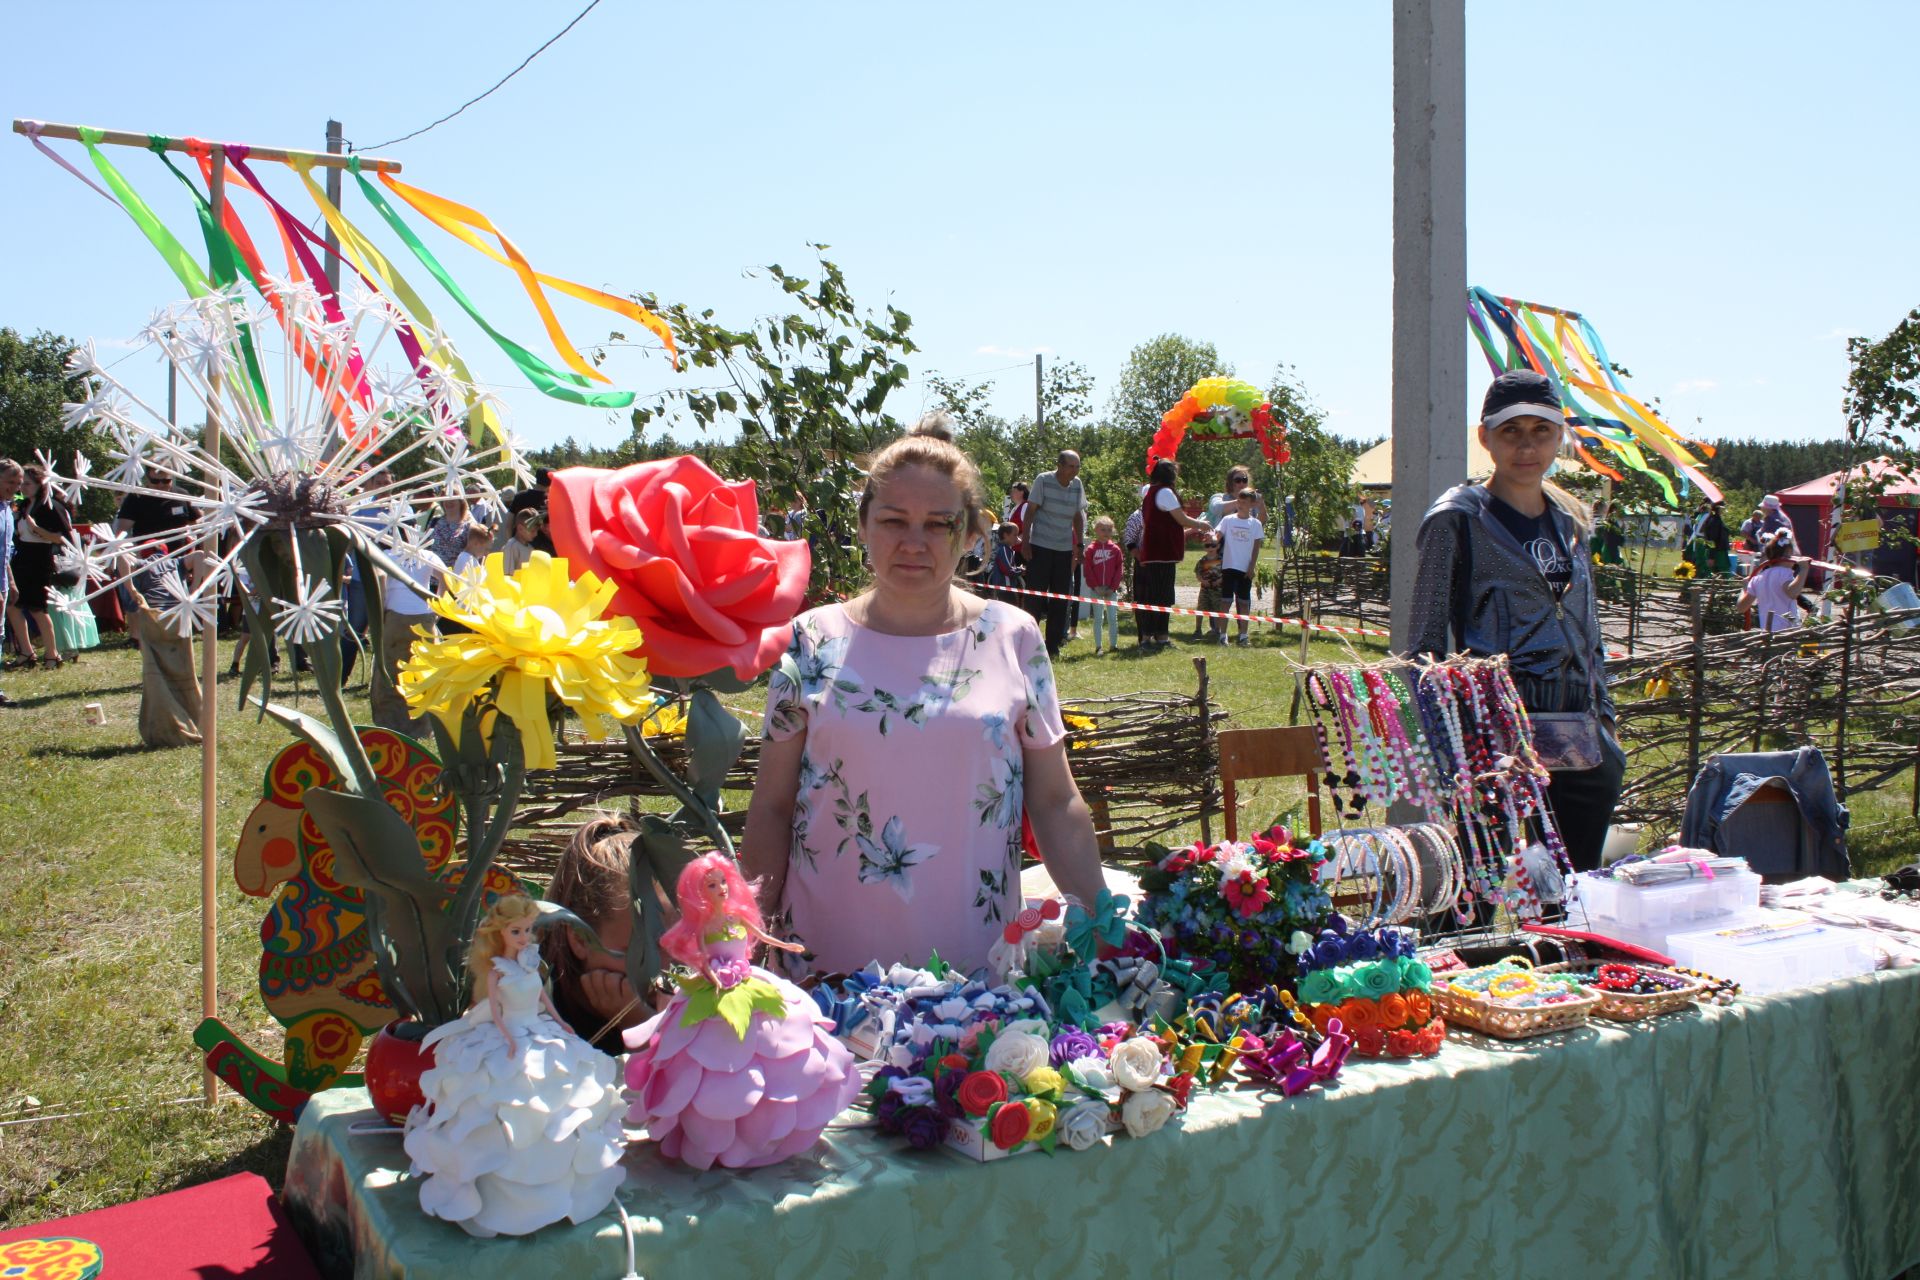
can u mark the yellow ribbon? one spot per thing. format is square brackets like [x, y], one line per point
[373, 264]
[456, 219]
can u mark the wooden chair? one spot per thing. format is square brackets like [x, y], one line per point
[1270, 753]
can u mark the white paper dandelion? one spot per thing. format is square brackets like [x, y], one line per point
[335, 441]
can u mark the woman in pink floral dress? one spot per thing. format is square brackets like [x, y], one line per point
[907, 730]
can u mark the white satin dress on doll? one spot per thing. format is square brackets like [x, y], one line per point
[512, 1142]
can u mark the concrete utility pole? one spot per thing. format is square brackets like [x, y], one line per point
[336, 143]
[1429, 274]
[1039, 405]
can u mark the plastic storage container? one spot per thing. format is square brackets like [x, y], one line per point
[1774, 951]
[1678, 907]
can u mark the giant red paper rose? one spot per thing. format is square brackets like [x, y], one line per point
[685, 550]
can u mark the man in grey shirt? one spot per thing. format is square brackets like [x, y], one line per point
[1057, 515]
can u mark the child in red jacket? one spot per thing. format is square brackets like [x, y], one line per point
[1104, 565]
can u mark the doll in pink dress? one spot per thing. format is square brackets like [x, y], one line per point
[739, 1069]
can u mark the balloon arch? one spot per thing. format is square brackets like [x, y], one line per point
[1238, 406]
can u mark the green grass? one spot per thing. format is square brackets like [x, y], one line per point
[100, 946]
[100, 941]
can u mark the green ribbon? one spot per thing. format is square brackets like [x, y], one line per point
[225, 267]
[561, 384]
[182, 263]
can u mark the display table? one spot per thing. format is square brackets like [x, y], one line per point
[1779, 1137]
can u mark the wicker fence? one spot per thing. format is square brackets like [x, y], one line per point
[1850, 686]
[1637, 610]
[1146, 763]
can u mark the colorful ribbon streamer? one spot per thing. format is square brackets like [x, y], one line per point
[456, 219]
[370, 262]
[241, 244]
[316, 274]
[172, 252]
[1575, 361]
[232, 255]
[557, 383]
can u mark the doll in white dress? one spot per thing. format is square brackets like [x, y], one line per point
[521, 1124]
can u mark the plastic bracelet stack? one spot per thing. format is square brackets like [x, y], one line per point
[1452, 738]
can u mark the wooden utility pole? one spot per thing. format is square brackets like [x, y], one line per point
[336, 145]
[1039, 403]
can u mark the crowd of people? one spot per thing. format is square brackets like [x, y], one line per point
[38, 529]
[1047, 558]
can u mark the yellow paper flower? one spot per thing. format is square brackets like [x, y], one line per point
[1044, 1080]
[670, 721]
[527, 634]
[1040, 1117]
[1083, 723]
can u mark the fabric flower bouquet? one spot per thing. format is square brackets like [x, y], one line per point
[1247, 906]
[1025, 1086]
[992, 1071]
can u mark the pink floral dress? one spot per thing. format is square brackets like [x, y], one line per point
[906, 831]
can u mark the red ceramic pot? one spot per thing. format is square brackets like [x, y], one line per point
[395, 1061]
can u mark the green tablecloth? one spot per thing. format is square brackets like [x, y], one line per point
[1779, 1137]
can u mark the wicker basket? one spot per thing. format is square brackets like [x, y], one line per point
[1510, 1022]
[1621, 1006]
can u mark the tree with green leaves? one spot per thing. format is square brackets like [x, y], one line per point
[807, 392]
[1319, 474]
[1009, 450]
[34, 386]
[1883, 416]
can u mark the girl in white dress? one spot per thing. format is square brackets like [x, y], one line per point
[521, 1124]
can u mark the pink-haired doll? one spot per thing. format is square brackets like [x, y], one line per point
[719, 921]
[739, 1069]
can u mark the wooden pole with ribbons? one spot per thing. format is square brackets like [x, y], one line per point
[121, 138]
[210, 646]
[210, 726]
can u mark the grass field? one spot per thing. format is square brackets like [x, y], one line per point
[100, 949]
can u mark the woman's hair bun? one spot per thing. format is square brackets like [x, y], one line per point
[938, 424]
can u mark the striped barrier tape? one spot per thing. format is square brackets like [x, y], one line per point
[1185, 612]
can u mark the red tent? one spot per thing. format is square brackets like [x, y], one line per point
[1810, 507]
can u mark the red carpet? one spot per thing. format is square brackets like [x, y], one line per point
[232, 1227]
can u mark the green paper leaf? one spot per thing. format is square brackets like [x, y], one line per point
[417, 949]
[655, 859]
[714, 739]
[735, 1006]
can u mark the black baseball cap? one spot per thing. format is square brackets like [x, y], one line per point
[1518, 393]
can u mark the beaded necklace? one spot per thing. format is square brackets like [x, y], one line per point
[1320, 691]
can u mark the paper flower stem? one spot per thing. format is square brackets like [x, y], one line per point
[690, 803]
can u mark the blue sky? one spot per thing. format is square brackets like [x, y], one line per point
[1723, 189]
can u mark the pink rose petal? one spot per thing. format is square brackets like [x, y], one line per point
[780, 1037]
[729, 1095]
[823, 1105]
[794, 1077]
[717, 1048]
[706, 1135]
[674, 1038]
[767, 1124]
[637, 1037]
[672, 1087]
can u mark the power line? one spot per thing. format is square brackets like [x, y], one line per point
[469, 102]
